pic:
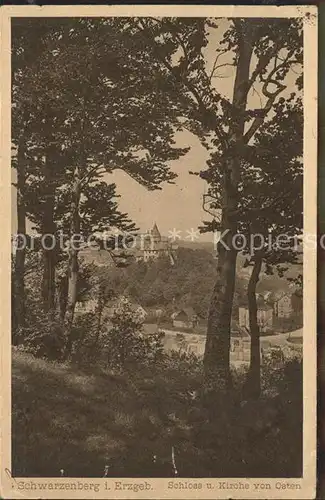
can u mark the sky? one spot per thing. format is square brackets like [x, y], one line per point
[177, 206]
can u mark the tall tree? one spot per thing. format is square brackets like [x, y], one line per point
[262, 53]
[101, 113]
[23, 53]
[32, 125]
[273, 55]
[270, 207]
[272, 201]
[19, 274]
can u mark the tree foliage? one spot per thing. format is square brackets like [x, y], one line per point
[90, 111]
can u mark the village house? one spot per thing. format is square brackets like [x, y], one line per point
[184, 318]
[154, 314]
[264, 317]
[283, 306]
[110, 308]
[91, 305]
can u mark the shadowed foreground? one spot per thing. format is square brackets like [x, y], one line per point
[80, 422]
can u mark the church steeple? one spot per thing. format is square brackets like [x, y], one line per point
[155, 232]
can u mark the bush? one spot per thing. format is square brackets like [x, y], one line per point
[125, 342]
[294, 322]
[86, 339]
[43, 339]
[118, 343]
[231, 437]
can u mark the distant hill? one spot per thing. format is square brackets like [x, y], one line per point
[97, 257]
[104, 258]
[197, 245]
[189, 282]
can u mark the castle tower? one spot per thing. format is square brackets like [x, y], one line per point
[155, 233]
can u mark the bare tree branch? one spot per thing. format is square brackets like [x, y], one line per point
[260, 119]
[182, 79]
[259, 95]
[262, 64]
[214, 67]
[220, 66]
[270, 95]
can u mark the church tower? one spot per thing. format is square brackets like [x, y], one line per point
[155, 233]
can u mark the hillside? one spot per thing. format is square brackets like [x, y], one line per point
[81, 422]
[187, 283]
[197, 245]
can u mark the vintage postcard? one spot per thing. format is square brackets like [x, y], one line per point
[158, 267]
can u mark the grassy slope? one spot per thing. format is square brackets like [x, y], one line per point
[66, 419]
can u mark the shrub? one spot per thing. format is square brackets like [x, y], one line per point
[288, 324]
[86, 335]
[234, 437]
[125, 343]
[43, 339]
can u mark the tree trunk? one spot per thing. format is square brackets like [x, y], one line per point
[217, 347]
[63, 297]
[216, 356]
[254, 375]
[19, 313]
[73, 261]
[49, 246]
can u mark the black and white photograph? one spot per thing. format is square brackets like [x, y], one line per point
[161, 192]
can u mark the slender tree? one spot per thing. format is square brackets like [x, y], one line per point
[279, 218]
[262, 53]
[32, 137]
[270, 219]
[24, 50]
[100, 113]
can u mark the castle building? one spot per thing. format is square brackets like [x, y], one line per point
[153, 245]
